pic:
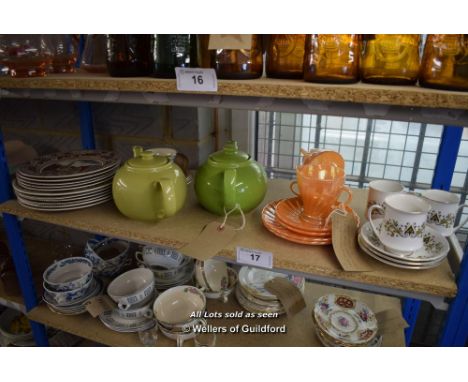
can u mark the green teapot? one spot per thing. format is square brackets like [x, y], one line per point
[149, 187]
[230, 177]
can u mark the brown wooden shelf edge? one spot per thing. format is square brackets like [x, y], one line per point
[410, 96]
[186, 225]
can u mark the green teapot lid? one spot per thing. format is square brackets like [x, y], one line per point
[230, 154]
[146, 159]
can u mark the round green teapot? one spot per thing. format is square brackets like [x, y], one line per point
[149, 187]
[230, 177]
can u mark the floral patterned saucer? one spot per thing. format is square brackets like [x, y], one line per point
[345, 319]
[435, 248]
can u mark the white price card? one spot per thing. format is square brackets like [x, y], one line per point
[254, 257]
[196, 80]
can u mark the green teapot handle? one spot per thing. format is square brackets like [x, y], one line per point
[229, 188]
[169, 198]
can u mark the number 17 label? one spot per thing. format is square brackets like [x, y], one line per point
[196, 79]
[254, 257]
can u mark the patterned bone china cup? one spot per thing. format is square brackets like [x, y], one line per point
[444, 209]
[380, 189]
[403, 223]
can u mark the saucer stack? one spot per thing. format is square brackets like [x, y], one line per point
[134, 293]
[284, 219]
[68, 284]
[66, 180]
[252, 294]
[433, 252]
[341, 321]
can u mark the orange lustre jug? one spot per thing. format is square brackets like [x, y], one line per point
[445, 62]
[332, 58]
[391, 59]
[285, 55]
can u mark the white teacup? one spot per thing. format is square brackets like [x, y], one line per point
[160, 257]
[131, 287]
[380, 189]
[444, 209]
[175, 306]
[403, 223]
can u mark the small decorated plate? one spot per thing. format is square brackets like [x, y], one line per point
[345, 319]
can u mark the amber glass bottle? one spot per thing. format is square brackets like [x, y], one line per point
[332, 58]
[445, 62]
[390, 59]
[128, 55]
[239, 64]
[285, 55]
[170, 51]
[203, 54]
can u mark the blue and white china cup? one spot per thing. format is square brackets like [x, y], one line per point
[68, 274]
[66, 297]
[97, 251]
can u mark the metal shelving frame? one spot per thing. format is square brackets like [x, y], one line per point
[455, 331]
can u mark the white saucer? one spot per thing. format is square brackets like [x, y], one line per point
[125, 325]
[435, 248]
[394, 262]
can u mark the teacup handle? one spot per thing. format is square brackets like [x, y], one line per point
[230, 175]
[169, 198]
[139, 258]
[148, 313]
[350, 195]
[462, 223]
[369, 217]
[291, 187]
[123, 305]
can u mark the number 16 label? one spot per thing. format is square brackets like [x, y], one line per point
[254, 257]
[196, 80]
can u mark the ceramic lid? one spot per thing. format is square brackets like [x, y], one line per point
[146, 159]
[230, 154]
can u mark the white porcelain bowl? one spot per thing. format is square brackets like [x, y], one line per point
[225, 292]
[175, 306]
[68, 274]
[131, 287]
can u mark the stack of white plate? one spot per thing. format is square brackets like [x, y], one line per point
[252, 294]
[66, 180]
[341, 321]
[433, 252]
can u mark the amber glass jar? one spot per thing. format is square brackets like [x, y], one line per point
[445, 62]
[332, 58]
[285, 55]
[390, 59]
[239, 64]
[170, 51]
[128, 55]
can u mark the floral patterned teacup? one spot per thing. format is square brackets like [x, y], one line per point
[380, 189]
[444, 209]
[403, 223]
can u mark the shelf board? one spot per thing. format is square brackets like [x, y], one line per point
[300, 328]
[412, 96]
[314, 261]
